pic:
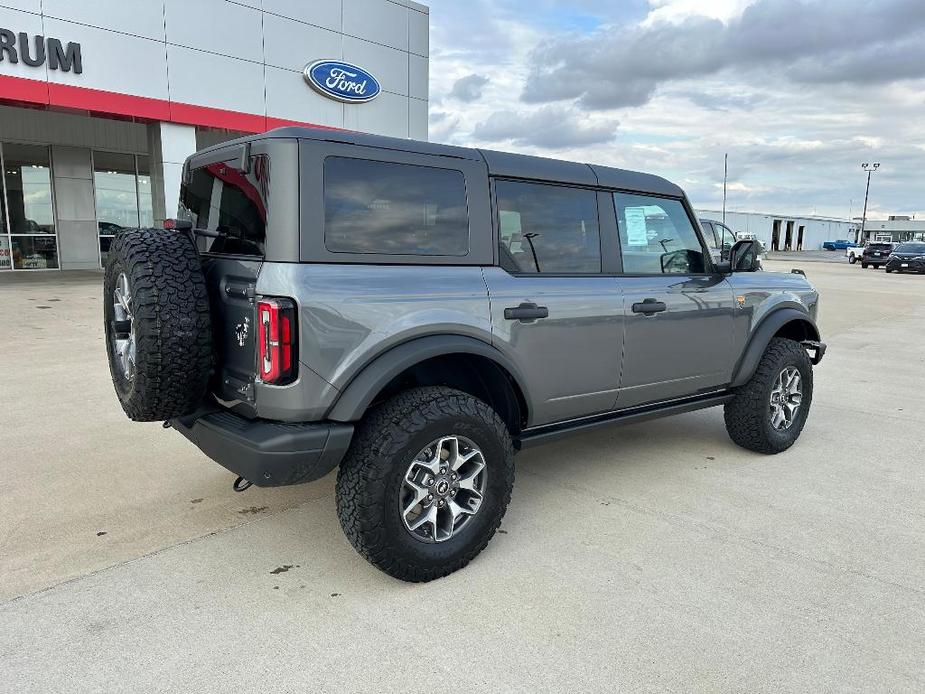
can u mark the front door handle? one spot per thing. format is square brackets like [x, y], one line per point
[526, 312]
[649, 307]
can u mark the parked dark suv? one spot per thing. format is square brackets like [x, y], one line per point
[415, 313]
[876, 254]
[907, 257]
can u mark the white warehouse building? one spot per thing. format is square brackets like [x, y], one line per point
[786, 233]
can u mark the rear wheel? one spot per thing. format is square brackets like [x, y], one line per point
[863, 265]
[852, 259]
[425, 483]
[767, 414]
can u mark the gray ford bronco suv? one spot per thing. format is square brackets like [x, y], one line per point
[415, 313]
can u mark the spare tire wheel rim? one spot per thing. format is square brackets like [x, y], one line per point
[123, 328]
[786, 398]
[442, 489]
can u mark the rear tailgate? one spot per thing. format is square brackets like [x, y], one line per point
[232, 283]
[227, 203]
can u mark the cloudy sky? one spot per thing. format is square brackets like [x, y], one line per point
[798, 92]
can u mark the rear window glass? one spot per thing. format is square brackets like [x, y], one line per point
[222, 199]
[394, 209]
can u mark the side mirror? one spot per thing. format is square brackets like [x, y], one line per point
[743, 256]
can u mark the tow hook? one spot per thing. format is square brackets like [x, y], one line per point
[241, 485]
[167, 424]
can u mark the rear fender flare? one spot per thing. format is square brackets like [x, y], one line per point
[761, 337]
[369, 382]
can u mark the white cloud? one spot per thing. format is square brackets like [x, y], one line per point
[792, 106]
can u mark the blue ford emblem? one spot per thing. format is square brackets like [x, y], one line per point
[342, 81]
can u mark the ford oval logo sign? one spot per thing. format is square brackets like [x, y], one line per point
[342, 81]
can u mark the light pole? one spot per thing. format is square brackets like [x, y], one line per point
[869, 168]
[725, 176]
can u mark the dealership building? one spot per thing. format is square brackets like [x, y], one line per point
[101, 101]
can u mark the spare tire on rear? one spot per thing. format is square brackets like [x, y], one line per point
[158, 331]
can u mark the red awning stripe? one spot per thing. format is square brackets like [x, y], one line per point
[19, 90]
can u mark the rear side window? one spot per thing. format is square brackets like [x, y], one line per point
[220, 198]
[548, 228]
[394, 209]
[656, 236]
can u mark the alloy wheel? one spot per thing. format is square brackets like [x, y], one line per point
[123, 328]
[442, 489]
[786, 397]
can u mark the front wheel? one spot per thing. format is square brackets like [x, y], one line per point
[767, 414]
[888, 269]
[426, 482]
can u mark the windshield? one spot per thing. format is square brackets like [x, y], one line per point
[911, 248]
[880, 246]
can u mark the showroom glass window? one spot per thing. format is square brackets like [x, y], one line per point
[394, 209]
[31, 239]
[656, 236]
[548, 228]
[122, 185]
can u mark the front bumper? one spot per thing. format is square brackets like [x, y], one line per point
[269, 454]
[911, 265]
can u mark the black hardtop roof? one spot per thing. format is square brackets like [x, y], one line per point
[504, 164]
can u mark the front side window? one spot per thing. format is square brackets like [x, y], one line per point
[548, 228]
[656, 236]
[221, 198]
[394, 209]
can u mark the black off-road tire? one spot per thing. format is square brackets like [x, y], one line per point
[170, 318]
[748, 415]
[370, 480]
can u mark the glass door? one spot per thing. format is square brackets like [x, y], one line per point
[122, 185]
[30, 217]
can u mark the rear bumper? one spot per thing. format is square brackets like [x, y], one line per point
[875, 260]
[269, 454]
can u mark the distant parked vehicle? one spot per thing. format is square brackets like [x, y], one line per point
[907, 257]
[838, 245]
[720, 238]
[875, 254]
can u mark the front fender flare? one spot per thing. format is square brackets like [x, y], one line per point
[761, 337]
[360, 392]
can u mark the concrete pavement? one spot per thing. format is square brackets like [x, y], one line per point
[656, 557]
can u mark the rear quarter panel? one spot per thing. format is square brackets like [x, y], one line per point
[350, 314]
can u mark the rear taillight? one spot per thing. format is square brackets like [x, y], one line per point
[276, 341]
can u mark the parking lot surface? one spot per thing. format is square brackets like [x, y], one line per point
[653, 557]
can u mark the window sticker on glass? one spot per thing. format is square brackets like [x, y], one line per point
[636, 232]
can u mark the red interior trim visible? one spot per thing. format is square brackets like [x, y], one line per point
[21, 90]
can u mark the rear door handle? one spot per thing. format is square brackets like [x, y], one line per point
[526, 312]
[649, 307]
